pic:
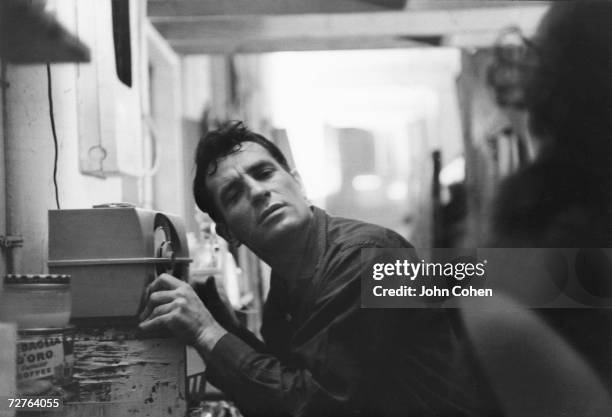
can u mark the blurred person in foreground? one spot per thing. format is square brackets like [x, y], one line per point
[322, 353]
[564, 198]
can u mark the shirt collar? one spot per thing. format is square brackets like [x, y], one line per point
[316, 244]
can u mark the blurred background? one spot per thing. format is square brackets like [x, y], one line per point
[404, 113]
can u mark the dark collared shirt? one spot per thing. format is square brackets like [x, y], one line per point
[324, 355]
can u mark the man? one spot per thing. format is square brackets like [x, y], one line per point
[563, 197]
[323, 354]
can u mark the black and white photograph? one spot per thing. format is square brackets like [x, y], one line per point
[304, 208]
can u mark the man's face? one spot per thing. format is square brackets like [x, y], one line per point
[260, 201]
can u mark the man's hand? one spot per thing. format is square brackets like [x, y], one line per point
[173, 304]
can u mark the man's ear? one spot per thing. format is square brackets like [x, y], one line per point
[226, 233]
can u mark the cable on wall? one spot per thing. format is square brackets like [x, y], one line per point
[52, 117]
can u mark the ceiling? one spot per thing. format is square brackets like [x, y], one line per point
[244, 26]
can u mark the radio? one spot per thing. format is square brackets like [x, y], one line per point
[112, 252]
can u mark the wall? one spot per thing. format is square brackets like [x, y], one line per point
[405, 98]
[29, 152]
[196, 98]
[164, 102]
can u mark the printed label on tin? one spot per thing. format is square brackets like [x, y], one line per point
[40, 357]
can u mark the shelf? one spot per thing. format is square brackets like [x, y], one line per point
[29, 35]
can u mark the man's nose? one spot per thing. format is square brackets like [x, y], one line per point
[257, 190]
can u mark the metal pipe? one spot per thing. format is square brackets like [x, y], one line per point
[28, 166]
[3, 209]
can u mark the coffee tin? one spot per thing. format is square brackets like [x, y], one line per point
[45, 360]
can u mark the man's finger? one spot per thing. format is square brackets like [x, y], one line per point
[155, 299]
[162, 282]
[155, 323]
[161, 311]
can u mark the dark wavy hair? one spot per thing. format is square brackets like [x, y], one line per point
[563, 199]
[217, 144]
[570, 92]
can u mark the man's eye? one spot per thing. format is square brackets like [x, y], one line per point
[265, 173]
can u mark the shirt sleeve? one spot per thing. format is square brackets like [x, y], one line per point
[259, 383]
[356, 367]
[262, 384]
[249, 338]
